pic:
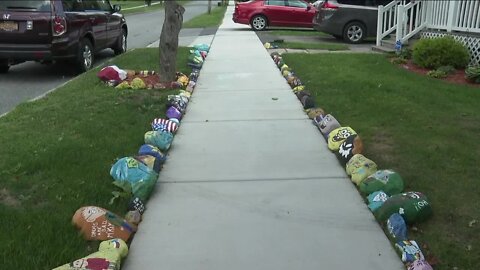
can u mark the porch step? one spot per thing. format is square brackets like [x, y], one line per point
[383, 49]
[388, 43]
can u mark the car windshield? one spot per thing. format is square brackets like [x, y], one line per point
[27, 5]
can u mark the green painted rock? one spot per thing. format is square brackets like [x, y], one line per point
[387, 181]
[413, 206]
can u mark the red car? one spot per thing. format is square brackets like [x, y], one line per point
[262, 13]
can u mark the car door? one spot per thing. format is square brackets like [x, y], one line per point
[113, 22]
[277, 12]
[98, 20]
[301, 13]
[76, 18]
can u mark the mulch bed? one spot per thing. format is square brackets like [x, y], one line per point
[149, 80]
[458, 77]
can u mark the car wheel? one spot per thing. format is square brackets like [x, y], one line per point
[85, 56]
[4, 66]
[121, 45]
[259, 22]
[354, 32]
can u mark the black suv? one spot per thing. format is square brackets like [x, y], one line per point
[52, 30]
[350, 20]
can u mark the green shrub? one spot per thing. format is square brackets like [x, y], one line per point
[437, 52]
[399, 61]
[447, 69]
[472, 74]
[405, 53]
[438, 74]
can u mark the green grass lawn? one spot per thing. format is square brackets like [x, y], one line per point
[316, 45]
[425, 129]
[128, 7]
[55, 157]
[207, 20]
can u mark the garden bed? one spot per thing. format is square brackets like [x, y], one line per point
[457, 77]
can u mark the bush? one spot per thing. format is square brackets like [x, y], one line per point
[405, 53]
[438, 74]
[473, 74]
[434, 53]
[446, 69]
[399, 61]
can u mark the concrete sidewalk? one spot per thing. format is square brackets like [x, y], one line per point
[250, 183]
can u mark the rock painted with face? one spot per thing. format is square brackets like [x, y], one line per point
[337, 136]
[351, 146]
[108, 257]
[96, 223]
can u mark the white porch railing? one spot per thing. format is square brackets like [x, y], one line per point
[409, 19]
[387, 20]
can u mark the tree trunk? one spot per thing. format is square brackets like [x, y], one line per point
[169, 40]
[209, 6]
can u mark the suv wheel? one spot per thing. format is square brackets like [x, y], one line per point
[121, 45]
[354, 32]
[4, 66]
[85, 56]
[259, 22]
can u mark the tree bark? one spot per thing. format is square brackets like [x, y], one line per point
[168, 45]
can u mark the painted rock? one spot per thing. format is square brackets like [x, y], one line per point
[315, 112]
[376, 199]
[413, 206]
[359, 168]
[337, 136]
[396, 228]
[160, 139]
[388, 181]
[410, 251]
[327, 124]
[108, 257]
[160, 124]
[96, 223]
[351, 146]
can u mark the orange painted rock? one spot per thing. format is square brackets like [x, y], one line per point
[96, 223]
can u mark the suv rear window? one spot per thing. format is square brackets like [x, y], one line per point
[26, 5]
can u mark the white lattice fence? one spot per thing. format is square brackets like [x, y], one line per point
[471, 42]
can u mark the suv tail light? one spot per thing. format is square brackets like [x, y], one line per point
[329, 6]
[59, 25]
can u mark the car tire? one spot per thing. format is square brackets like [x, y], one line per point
[259, 23]
[85, 56]
[354, 32]
[4, 66]
[121, 45]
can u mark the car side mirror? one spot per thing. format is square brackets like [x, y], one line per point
[309, 7]
[117, 8]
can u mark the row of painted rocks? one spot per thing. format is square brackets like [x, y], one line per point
[382, 189]
[136, 176]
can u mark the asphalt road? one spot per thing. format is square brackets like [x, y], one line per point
[29, 80]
